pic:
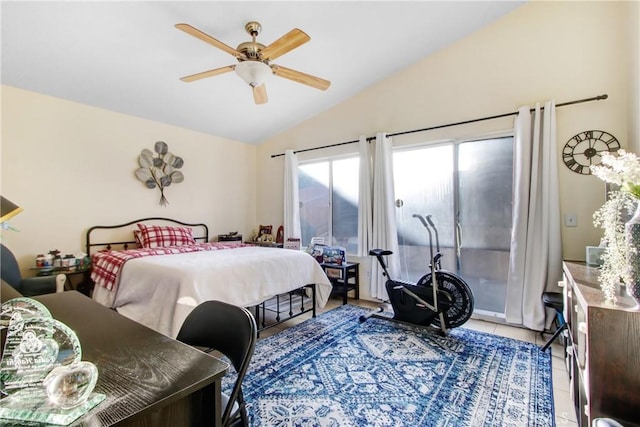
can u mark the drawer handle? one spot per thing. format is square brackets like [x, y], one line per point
[582, 328]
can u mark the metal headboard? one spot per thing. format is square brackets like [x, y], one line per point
[201, 233]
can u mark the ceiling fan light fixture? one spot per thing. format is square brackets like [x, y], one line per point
[254, 73]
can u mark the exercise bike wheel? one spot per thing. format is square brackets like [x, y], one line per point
[462, 308]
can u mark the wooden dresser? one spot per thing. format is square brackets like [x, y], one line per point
[603, 352]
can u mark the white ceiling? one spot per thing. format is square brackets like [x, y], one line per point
[128, 56]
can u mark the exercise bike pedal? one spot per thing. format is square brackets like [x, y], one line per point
[379, 313]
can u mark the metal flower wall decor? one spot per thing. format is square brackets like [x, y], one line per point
[159, 169]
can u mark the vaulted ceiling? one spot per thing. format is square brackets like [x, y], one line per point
[128, 56]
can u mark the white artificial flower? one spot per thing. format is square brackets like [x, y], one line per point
[622, 169]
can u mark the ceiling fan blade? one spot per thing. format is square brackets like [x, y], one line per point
[284, 44]
[209, 73]
[208, 39]
[300, 77]
[260, 94]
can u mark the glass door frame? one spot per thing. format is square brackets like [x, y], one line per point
[457, 232]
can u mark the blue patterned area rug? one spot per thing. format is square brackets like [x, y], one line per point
[335, 371]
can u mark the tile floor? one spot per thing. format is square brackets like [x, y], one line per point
[565, 414]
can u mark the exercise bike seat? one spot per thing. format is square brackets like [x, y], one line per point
[380, 252]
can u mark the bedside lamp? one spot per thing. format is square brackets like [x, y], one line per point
[8, 210]
[9, 268]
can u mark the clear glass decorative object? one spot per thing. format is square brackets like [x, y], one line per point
[42, 377]
[17, 309]
[69, 386]
[34, 346]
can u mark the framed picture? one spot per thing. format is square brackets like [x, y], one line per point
[264, 229]
[292, 243]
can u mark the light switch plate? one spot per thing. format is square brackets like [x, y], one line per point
[571, 220]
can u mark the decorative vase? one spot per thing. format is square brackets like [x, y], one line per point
[632, 237]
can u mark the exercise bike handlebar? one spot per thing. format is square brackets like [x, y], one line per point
[424, 222]
[430, 221]
[428, 224]
[435, 230]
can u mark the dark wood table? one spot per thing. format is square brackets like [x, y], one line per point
[149, 379]
[348, 278]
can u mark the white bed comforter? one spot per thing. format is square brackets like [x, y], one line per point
[160, 291]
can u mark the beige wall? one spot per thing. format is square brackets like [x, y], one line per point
[633, 36]
[542, 50]
[71, 166]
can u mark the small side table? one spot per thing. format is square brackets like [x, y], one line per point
[229, 237]
[266, 244]
[83, 282]
[344, 278]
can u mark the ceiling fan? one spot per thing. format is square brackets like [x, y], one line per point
[254, 59]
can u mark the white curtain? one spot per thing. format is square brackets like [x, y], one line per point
[365, 216]
[291, 198]
[384, 234]
[536, 259]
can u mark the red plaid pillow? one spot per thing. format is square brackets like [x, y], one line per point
[156, 236]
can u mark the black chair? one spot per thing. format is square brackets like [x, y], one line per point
[555, 301]
[30, 286]
[232, 331]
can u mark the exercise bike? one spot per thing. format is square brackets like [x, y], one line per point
[440, 299]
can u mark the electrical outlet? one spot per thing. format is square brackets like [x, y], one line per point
[571, 220]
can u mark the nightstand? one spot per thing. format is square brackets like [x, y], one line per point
[344, 278]
[267, 244]
[229, 237]
[78, 278]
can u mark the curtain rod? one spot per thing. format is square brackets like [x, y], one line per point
[498, 116]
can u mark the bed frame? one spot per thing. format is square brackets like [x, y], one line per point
[286, 306]
[267, 314]
[122, 232]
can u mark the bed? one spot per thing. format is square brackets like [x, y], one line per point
[156, 270]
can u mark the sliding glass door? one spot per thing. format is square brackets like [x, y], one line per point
[466, 187]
